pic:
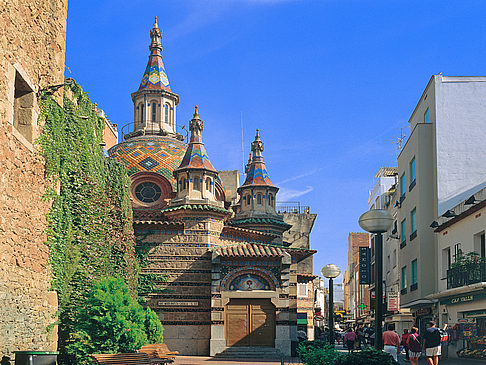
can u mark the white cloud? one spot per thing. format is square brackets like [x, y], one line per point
[285, 195]
[297, 177]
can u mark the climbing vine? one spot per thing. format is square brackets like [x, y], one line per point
[90, 233]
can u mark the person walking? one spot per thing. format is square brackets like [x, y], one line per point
[431, 343]
[405, 342]
[414, 343]
[349, 339]
[391, 340]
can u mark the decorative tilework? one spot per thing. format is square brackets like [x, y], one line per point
[159, 154]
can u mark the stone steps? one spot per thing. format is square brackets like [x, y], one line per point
[240, 352]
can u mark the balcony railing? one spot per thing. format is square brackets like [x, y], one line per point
[466, 274]
[292, 208]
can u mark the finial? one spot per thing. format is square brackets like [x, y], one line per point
[258, 132]
[155, 24]
[196, 114]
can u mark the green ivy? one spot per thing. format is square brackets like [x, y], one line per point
[90, 231]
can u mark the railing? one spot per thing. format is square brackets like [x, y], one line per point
[292, 208]
[151, 128]
[466, 274]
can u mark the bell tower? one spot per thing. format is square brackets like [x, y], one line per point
[154, 103]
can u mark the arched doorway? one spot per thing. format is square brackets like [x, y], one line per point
[250, 322]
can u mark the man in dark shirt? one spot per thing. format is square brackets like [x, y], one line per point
[431, 341]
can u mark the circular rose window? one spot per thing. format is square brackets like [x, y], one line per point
[148, 192]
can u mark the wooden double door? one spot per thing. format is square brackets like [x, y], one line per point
[250, 322]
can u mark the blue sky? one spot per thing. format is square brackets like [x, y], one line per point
[328, 82]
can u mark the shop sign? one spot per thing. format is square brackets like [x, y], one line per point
[423, 312]
[177, 304]
[475, 314]
[463, 298]
[467, 330]
[392, 302]
[364, 265]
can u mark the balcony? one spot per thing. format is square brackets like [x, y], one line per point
[465, 274]
[292, 208]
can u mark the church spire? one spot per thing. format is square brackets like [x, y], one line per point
[196, 156]
[256, 172]
[154, 77]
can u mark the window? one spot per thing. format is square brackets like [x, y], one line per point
[404, 280]
[24, 98]
[166, 112]
[249, 199]
[414, 272]
[446, 261]
[403, 232]
[412, 173]
[259, 199]
[302, 290]
[154, 111]
[147, 192]
[208, 184]
[457, 251]
[388, 263]
[141, 112]
[483, 246]
[402, 186]
[426, 116]
[413, 223]
[196, 183]
[394, 258]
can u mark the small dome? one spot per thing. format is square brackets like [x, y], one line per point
[157, 154]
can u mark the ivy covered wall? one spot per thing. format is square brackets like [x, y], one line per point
[90, 232]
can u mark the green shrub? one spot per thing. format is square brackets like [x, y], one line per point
[369, 356]
[316, 353]
[111, 322]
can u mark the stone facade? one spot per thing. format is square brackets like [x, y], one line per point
[32, 48]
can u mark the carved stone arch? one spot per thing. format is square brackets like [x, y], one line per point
[265, 274]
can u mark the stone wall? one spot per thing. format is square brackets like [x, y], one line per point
[32, 46]
[299, 236]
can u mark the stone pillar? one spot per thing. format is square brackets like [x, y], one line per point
[283, 332]
[217, 342]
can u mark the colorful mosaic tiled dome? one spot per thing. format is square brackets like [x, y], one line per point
[159, 154]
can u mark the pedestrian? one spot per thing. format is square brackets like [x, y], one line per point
[431, 343]
[414, 343]
[405, 342]
[349, 338]
[360, 334]
[391, 340]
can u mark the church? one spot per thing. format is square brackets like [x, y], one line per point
[238, 271]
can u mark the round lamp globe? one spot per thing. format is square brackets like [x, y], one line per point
[376, 221]
[330, 271]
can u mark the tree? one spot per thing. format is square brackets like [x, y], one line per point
[112, 322]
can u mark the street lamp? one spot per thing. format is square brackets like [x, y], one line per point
[331, 271]
[377, 221]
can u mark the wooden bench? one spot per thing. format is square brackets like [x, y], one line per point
[134, 358]
[158, 351]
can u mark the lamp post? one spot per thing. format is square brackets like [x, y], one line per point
[331, 272]
[377, 221]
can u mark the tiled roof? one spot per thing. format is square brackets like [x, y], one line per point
[196, 156]
[154, 77]
[250, 250]
[261, 221]
[196, 207]
[387, 172]
[159, 154]
[256, 172]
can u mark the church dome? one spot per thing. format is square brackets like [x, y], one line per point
[156, 154]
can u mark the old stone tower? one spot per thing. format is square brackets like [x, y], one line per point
[31, 58]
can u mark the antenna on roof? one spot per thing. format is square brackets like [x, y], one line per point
[398, 142]
[242, 146]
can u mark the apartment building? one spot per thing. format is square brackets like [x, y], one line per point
[442, 163]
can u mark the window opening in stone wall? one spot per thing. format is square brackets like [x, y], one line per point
[23, 107]
[141, 113]
[259, 199]
[148, 192]
[154, 112]
[457, 251]
[302, 290]
[166, 111]
[196, 183]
